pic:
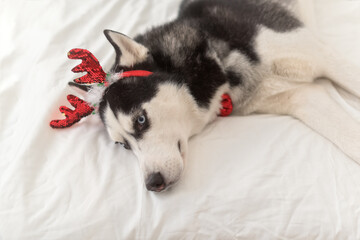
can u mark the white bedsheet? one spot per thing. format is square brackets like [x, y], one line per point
[256, 177]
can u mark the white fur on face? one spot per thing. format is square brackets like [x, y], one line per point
[173, 117]
[171, 113]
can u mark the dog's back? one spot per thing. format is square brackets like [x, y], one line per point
[212, 42]
[236, 21]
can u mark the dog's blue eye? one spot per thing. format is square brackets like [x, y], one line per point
[141, 120]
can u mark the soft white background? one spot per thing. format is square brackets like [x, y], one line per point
[256, 177]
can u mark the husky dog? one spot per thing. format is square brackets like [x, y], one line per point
[256, 51]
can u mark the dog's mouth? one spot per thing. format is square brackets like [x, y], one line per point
[161, 188]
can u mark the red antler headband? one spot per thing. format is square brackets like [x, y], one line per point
[95, 74]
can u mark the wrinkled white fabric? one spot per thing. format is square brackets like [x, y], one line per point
[256, 177]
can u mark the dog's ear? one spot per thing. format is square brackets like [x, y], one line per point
[128, 51]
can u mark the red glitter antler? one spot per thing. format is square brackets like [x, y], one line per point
[82, 109]
[95, 74]
[89, 64]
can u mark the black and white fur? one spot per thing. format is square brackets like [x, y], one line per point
[257, 51]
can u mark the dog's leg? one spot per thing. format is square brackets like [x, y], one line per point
[310, 58]
[340, 70]
[312, 104]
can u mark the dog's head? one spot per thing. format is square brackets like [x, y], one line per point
[153, 116]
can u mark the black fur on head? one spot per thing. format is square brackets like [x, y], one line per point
[128, 94]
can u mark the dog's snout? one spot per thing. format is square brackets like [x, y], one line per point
[155, 182]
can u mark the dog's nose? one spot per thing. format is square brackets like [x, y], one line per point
[155, 182]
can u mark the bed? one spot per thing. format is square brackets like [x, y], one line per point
[253, 177]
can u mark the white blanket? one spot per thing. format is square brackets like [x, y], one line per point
[256, 177]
